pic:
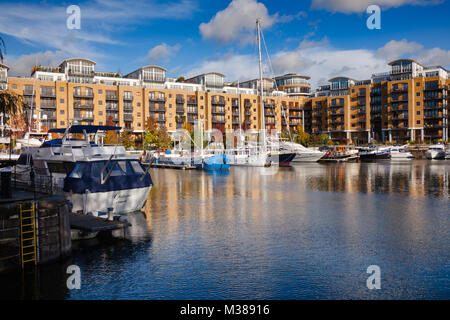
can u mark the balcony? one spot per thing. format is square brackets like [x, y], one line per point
[214, 120]
[179, 100]
[179, 110]
[218, 102]
[29, 92]
[192, 111]
[218, 111]
[295, 116]
[157, 99]
[84, 95]
[127, 108]
[81, 105]
[399, 90]
[112, 108]
[191, 101]
[48, 94]
[48, 106]
[127, 98]
[127, 117]
[110, 97]
[158, 109]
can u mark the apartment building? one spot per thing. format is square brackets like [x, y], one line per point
[56, 95]
[410, 102]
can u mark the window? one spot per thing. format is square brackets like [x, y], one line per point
[418, 121]
[14, 86]
[138, 114]
[62, 123]
[100, 103]
[77, 171]
[418, 113]
[418, 84]
[418, 94]
[61, 100]
[100, 123]
[100, 113]
[138, 104]
[418, 103]
[61, 111]
[100, 91]
[61, 89]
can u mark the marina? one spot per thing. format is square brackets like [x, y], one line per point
[306, 232]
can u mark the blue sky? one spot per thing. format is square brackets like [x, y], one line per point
[318, 38]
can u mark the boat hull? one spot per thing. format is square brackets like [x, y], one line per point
[98, 203]
[283, 159]
[307, 157]
[384, 155]
[435, 155]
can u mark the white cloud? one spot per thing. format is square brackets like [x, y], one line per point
[237, 21]
[22, 65]
[321, 61]
[161, 52]
[396, 49]
[360, 6]
[44, 25]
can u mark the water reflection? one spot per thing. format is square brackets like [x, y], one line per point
[304, 232]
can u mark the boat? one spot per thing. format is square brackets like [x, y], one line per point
[436, 152]
[374, 153]
[32, 139]
[400, 153]
[447, 153]
[302, 154]
[340, 154]
[96, 180]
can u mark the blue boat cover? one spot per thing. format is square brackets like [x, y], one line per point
[88, 128]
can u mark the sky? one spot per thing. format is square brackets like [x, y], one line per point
[318, 38]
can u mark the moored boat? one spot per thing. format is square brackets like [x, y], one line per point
[94, 179]
[374, 153]
[340, 154]
[436, 152]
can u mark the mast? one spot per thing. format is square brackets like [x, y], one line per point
[263, 120]
[240, 121]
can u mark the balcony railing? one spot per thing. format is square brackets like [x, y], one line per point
[127, 98]
[80, 105]
[110, 97]
[157, 99]
[48, 94]
[85, 95]
[158, 109]
[127, 117]
[128, 108]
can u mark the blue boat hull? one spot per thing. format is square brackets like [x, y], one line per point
[216, 162]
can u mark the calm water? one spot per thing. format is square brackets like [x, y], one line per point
[305, 232]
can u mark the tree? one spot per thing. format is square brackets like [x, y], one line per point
[151, 134]
[126, 140]
[303, 137]
[111, 135]
[324, 139]
[180, 79]
[164, 140]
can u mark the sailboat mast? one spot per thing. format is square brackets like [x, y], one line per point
[263, 120]
[240, 121]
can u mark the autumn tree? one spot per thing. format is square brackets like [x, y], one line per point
[302, 137]
[111, 135]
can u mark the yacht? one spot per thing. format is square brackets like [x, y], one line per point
[436, 151]
[340, 154]
[374, 153]
[302, 154]
[32, 139]
[95, 179]
[400, 153]
[447, 153]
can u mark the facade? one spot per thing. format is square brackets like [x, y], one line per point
[408, 103]
[54, 96]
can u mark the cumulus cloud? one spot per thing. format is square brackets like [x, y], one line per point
[162, 52]
[396, 49]
[321, 61]
[23, 64]
[359, 6]
[237, 21]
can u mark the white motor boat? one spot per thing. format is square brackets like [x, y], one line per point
[401, 153]
[436, 151]
[32, 139]
[95, 179]
[303, 154]
[447, 153]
